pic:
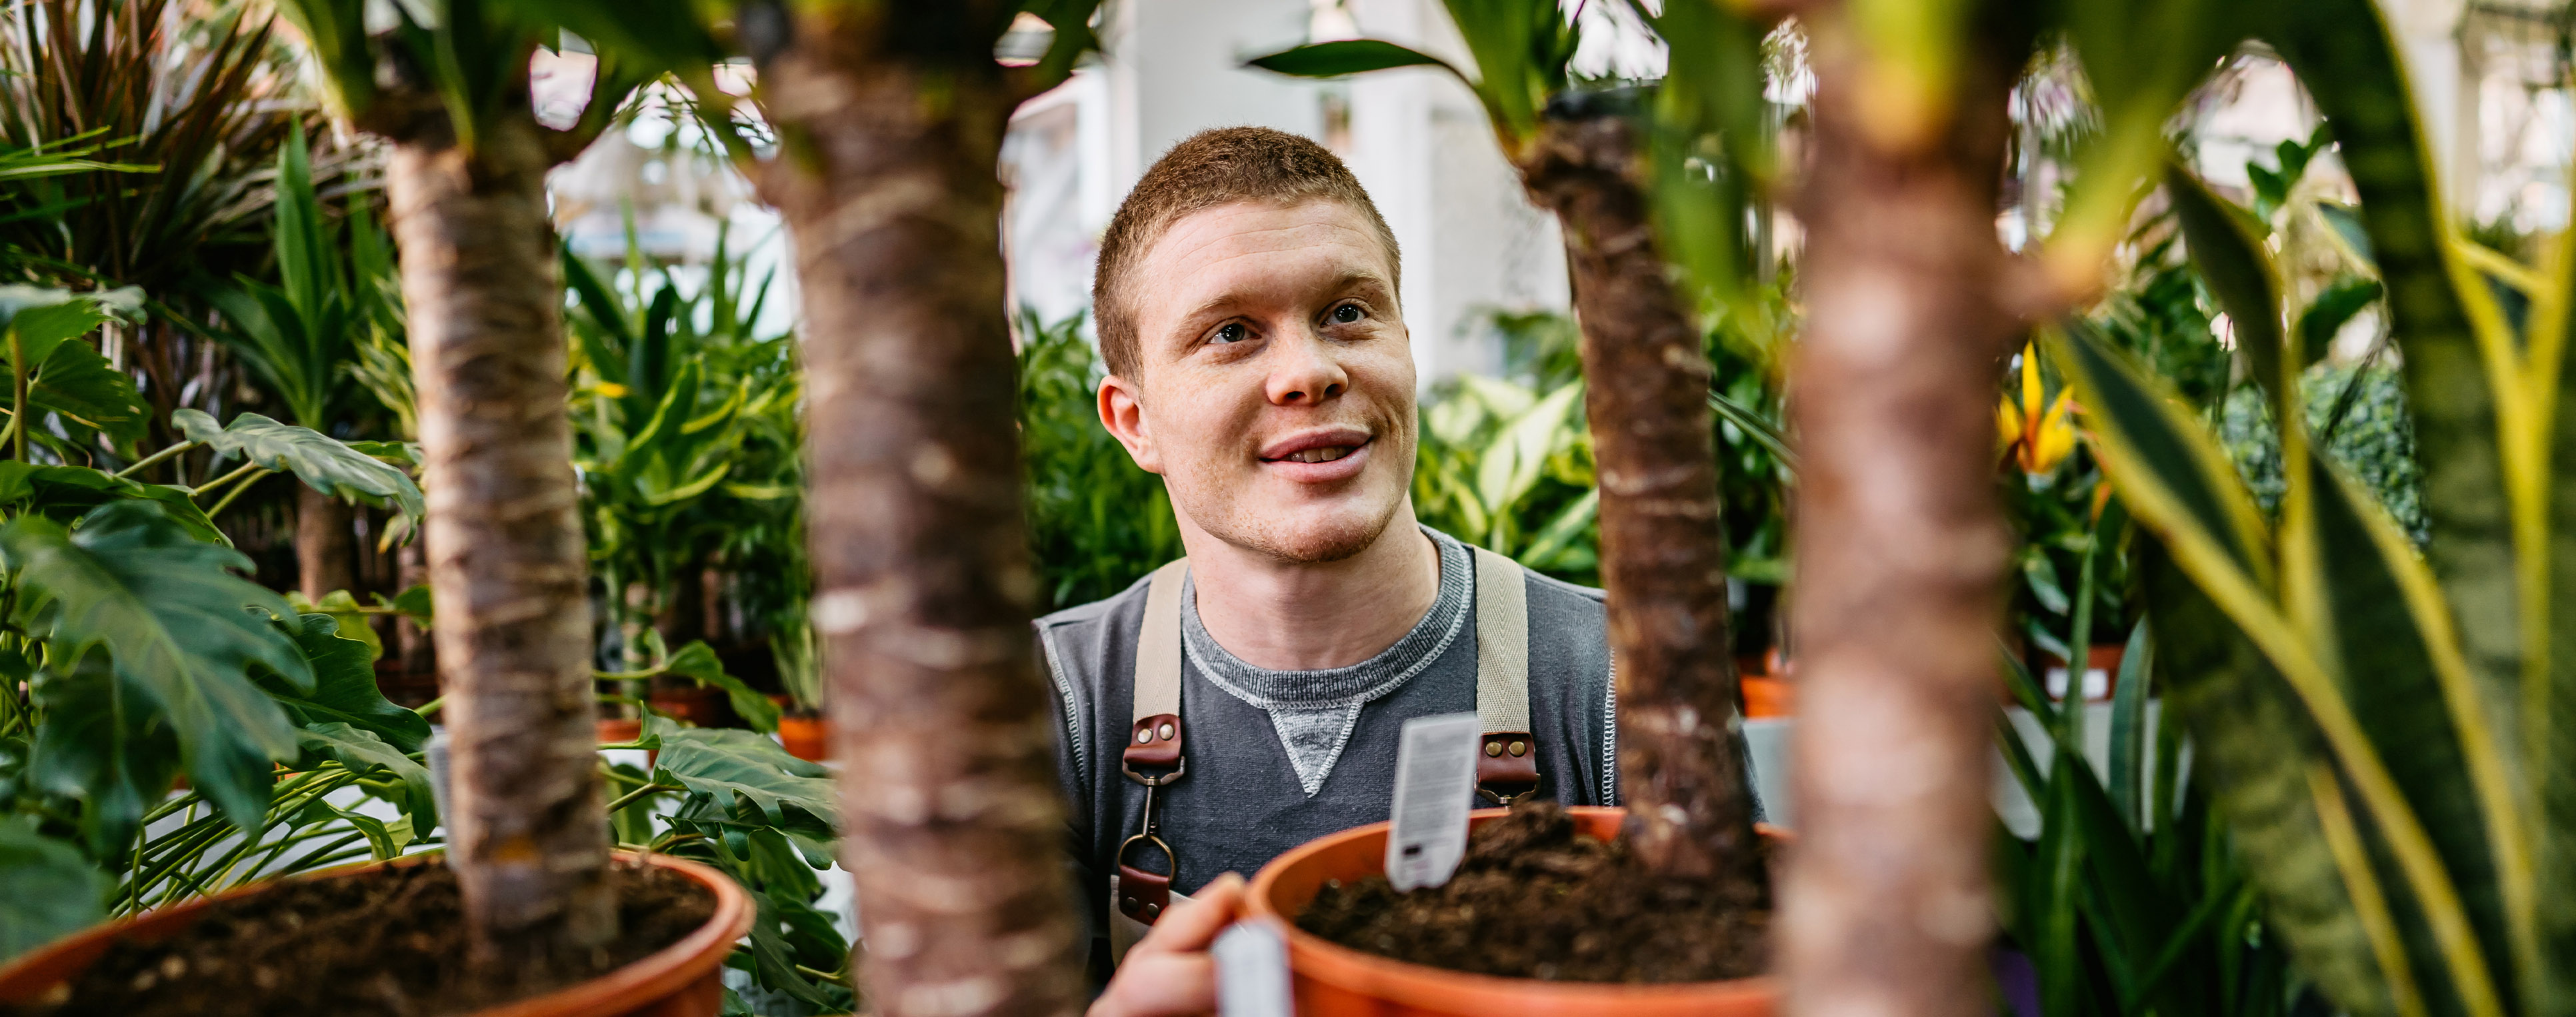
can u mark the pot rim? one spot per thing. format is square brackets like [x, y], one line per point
[654, 976]
[1421, 985]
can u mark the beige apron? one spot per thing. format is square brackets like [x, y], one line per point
[1508, 767]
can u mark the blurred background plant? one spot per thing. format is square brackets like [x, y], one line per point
[1097, 522]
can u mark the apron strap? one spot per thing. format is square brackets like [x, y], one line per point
[1152, 756]
[1507, 763]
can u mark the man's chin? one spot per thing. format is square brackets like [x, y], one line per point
[1309, 538]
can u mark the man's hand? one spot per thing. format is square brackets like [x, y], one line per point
[1169, 973]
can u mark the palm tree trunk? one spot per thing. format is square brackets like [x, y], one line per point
[1663, 556]
[323, 543]
[529, 839]
[1901, 555]
[891, 124]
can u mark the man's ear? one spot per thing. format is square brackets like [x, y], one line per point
[1122, 411]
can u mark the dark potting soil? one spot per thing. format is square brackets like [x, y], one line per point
[389, 942]
[1536, 899]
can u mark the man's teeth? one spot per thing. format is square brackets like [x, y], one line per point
[1325, 454]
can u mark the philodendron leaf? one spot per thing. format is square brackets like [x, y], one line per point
[47, 890]
[42, 318]
[183, 630]
[66, 493]
[1346, 56]
[344, 686]
[362, 752]
[77, 383]
[102, 745]
[698, 661]
[322, 462]
[719, 766]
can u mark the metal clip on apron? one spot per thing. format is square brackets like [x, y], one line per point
[1507, 767]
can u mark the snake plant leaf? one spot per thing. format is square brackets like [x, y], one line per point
[2227, 247]
[323, 463]
[2390, 647]
[724, 767]
[47, 890]
[344, 687]
[363, 752]
[697, 661]
[1345, 57]
[2344, 53]
[182, 629]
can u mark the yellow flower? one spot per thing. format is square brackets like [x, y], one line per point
[2035, 430]
[612, 390]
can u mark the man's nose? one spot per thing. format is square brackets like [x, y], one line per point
[1306, 372]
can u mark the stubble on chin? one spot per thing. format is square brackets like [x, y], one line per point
[1300, 538]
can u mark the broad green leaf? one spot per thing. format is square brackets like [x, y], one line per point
[2336, 305]
[66, 493]
[102, 744]
[344, 686]
[363, 752]
[183, 630]
[47, 890]
[320, 461]
[77, 383]
[719, 766]
[343, 609]
[37, 319]
[698, 661]
[1346, 56]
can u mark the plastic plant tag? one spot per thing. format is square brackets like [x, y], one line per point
[1435, 783]
[1252, 971]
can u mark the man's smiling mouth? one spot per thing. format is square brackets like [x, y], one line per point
[1325, 454]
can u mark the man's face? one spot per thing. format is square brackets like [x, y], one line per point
[1275, 379]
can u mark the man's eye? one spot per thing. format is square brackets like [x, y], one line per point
[1347, 313]
[1230, 332]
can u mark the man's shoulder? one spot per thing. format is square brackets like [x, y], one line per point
[1099, 612]
[1083, 641]
[1558, 592]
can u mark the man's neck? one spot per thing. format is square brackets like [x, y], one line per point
[1308, 616]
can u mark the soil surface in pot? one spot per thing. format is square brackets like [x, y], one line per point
[388, 942]
[1534, 898]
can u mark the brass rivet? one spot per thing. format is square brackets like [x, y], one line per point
[1520, 748]
[1144, 735]
[1493, 748]
[1165, 731]
[1153, 911]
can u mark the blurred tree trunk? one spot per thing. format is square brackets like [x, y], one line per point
[324, 543]
[508, 572]
[412, 644]
[1663, 557]
[890, 120]
[1901, 545]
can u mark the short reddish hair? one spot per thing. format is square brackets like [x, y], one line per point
[1208, 169]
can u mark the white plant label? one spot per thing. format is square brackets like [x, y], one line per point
[1252, 972]
[1435, 784]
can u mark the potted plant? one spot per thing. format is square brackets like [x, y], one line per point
[1607, 163]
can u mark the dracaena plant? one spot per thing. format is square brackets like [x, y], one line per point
[2381, 726]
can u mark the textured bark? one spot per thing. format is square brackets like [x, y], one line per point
[1662, 554]
[924, 588]
[527, 836]
[323, 543]
[1901, 555]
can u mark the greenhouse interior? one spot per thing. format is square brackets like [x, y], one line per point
[1836, 508]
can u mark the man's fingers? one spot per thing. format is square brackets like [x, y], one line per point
[1190, 927]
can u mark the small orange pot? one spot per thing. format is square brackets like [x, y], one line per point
[684, 979]
[1330, 980]
[807, 738]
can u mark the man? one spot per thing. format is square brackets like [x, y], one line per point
[1246, 301]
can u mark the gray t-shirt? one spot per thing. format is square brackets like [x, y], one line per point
[1248, 796]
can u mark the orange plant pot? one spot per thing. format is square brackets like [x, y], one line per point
[1330, 980]
[806, 738]
[1769, 697]
[684, 979]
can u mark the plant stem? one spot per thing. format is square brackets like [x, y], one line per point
[648, 789]
[200, 490]
[425, 709]
[147, 461]
[236, 493]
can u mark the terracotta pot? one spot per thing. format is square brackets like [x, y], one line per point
[1333, 981]
[620, 730]
[684, 979]
[2103, 657]
[808, 738]
[1766, 697]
